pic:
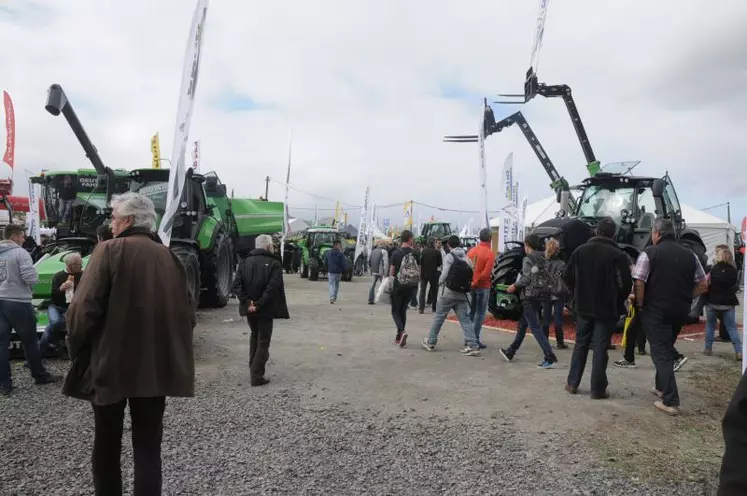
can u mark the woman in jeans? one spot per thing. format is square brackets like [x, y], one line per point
[552, 310]
[722, 301]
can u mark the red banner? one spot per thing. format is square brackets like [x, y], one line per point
[10, 128]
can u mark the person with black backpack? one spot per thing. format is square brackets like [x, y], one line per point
[405, 270]
[456, 282]
[535, 287]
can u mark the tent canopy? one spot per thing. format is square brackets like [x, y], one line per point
[712, 230]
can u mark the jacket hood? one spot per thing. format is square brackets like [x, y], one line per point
[536, 256]
[8, 245]
[458, 253]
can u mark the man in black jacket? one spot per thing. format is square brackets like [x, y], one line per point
[733, 480]
[598, 277]
[430, 261]
[261, 293]
[64, 280]
[667, 277]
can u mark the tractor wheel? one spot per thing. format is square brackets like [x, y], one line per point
[304, 270]
[493, 307]
[191, 263]
[217, 273]
[313, 269]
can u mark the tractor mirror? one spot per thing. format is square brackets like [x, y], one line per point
[658, 188]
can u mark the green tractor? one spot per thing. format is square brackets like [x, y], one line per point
[209, 227]
[314, 246]
[435, 230]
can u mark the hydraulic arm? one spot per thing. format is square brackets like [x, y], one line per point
[559, 183]
[533, 88]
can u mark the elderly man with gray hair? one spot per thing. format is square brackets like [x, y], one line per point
[63, 288]
[130, 341]
[261, 293]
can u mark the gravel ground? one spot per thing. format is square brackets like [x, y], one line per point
[342, 416]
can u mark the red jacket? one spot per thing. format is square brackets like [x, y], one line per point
[482, 258]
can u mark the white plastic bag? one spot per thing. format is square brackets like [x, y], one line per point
[384, 293]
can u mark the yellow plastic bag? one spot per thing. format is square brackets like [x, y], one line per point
[628, 321]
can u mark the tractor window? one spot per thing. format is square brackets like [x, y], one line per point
[646, 203]
[670, 196]
[603, 201]
[155, 190]
[440, 230]
[324, 238]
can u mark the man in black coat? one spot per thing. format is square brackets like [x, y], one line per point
[733, 480]
[598, 276]
[430, 261]
[259, 287]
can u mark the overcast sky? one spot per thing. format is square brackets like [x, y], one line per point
[370, 87]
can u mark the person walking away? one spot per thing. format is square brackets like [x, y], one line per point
[17, 278]
[417, 251]
[336, 265]
[553, 311]
[405, 270]
[64, 284]
[430, 261]
[598, 276]
[378, 262]
[667, 278]
[722, 301]
[482, 258]
[535, 287]
[456, 282]
[261, 292]
[129, 337]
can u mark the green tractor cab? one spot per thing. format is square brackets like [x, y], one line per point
[435, 230]
[314, 246]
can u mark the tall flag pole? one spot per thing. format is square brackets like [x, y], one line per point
[178, 173]
[371, 224]
[286, 216]
[483, 172]
[534, 62]
[508, 183]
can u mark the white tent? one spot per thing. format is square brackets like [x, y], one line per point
[713, 231]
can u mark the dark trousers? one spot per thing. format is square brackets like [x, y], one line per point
[21, 317]
[259, 345]
[147, 430]
[530, 319]
[592, 334]
[400, 299]
[661, 334]
[432, 283]
[552, 311]
[635, 337]
[675, 333]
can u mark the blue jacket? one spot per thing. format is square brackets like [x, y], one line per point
[336, 262]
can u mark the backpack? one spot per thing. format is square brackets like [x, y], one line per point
[559, 289]
[409, 272]
[459, 278]
[540, 283]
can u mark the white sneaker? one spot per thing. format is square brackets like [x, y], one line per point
[679, 363]
[473, 352]
[428, 346]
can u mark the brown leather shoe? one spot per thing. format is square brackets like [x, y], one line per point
[571, 389]
[669, 410]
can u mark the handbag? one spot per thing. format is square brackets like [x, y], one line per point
[628, 323]
[384, 293]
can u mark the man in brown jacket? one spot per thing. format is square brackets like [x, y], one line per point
[130, 340]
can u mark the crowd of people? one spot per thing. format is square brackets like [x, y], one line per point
[122, 357]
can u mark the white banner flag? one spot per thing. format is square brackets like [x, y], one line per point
[507, 187]
[363, 228]
[286, 216]
[371, 224]
[177, 174]
[484, 221]
[32, 220]
[539, 34]
[515, 212]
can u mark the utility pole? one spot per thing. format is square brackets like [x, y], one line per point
[267, 187]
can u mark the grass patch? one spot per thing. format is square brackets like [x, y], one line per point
[651, 446]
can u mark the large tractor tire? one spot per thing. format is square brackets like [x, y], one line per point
[191, 263]
[313, 269]
[217, 273]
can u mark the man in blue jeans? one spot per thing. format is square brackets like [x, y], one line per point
[61, 283]
[482, 258]
[17, 277]
[336, 265]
